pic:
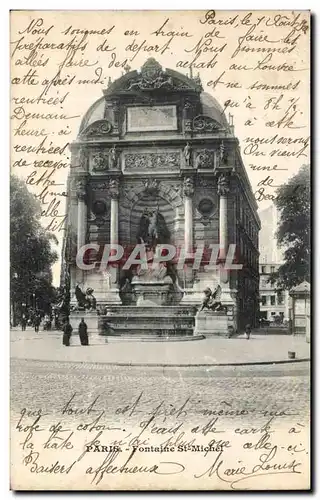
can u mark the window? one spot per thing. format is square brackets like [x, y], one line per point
[280, 298]
[273, 300]
[263, 300]
[272, 269]
[273, 314]
[263, 269]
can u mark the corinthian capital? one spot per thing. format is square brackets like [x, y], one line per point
[188, 187]
[81, 189]
[223, 185]
[114, 188]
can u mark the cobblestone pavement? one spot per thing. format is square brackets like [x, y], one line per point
[46, 385]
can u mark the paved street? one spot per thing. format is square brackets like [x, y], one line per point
[43, 371]
[47, 346]
[43, 385]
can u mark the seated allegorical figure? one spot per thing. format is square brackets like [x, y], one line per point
[85, 300]
[212, 299]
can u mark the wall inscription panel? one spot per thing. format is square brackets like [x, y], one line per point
[151, 118]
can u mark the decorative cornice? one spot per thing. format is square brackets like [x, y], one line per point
[203, 123]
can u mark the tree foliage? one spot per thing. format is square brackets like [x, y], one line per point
[293, 204]
[31, 254]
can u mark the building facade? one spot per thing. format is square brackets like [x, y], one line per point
[274, 302]
[155, 142]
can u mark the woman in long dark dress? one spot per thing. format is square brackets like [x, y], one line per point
[67, 331]
[83, 332]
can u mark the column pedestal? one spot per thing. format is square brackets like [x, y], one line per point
[91, 318]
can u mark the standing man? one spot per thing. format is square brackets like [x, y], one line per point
[248, 331]
[23, 323]
[36, 322]
[83, 332]
[67, 331]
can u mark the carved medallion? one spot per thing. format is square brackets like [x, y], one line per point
[206, 206]
[205, 159]
[100, 161]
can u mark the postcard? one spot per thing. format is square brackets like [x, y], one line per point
[160, 250]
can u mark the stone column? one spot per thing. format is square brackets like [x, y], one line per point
[188, 190]
[223, 190]
[82, 214]
[114, 231]
[114, 222]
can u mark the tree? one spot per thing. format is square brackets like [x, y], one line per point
[293, 204]
[31, 254]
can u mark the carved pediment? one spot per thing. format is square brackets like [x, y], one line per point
[152, 77]
[203, 123]
[97, 129]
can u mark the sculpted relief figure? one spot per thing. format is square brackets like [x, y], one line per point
[187, 154]
[223, 154]
[152, 229]
[114, 160]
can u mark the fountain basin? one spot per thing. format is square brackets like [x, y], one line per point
[148, 322]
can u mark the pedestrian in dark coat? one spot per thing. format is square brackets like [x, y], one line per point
[83, 332]
[23, 323]
[248, 331]
[37, 321]
[67, 331]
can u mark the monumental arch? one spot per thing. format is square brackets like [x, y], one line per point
[156, 142]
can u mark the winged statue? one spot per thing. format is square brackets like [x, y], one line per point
[212, 299]
[85, 300]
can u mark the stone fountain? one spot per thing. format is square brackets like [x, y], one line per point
[153, 317]
[155, 314]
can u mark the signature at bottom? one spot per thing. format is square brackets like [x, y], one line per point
[263, 468]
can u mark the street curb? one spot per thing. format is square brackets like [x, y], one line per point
[168, 365]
